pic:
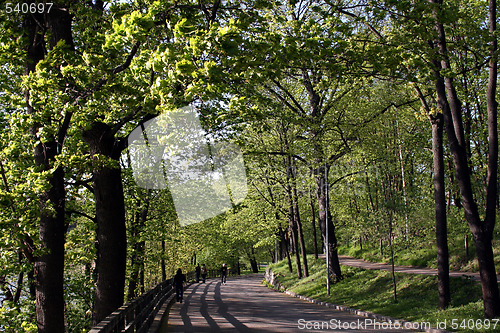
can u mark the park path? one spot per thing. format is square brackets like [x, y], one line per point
[350, 261]
[245, 305]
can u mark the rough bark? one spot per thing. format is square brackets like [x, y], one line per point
[324, 215]
[110, 218]
[313, 222]
[298, 223]
[492, 107]
[49, 266]
[437, 123]
[284, 246]
[483, 243]
[440, 208]
[294, 230]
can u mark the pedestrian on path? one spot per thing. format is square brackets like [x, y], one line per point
[179, 280]
[203, 273]
[223, 273]
[198, 272]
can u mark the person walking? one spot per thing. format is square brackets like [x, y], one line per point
[203, 273]
[179, 280]
[198, 272]
[223, 273]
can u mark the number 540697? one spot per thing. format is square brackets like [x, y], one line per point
[25, 8]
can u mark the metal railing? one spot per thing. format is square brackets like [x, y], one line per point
[138, 315]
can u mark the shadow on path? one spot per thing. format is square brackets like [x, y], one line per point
[223, 311]
[204, 310]
[184, 309]
[245, 305]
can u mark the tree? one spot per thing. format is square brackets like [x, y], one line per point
[450, 105]
[49, 266]
[437, 123]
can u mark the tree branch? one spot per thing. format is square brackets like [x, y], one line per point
[384, 110]
[299, 107]
[84, 183]
[71, 212]
[128, 61]
[282, 99]
[278, 153]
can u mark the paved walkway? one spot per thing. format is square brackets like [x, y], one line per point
[245, 305]
[350, 261]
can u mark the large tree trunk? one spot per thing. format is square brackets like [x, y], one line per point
[296, 214]
[253, 262]
[315, 238]
[110, 217]
[321, 176]
[440, 208]
[283, 244]
[437, 123]
[324, 216]
[293, 230]
[49, 266]
[449, 103]
[492, 106]
[484, 239]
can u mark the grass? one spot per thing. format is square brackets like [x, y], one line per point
[421, 257]
[372, 291]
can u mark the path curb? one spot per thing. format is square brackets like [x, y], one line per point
[272, 281]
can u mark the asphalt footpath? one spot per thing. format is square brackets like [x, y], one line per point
[350, 261]
[244, 304]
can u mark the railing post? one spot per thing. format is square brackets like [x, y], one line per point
[137, 316]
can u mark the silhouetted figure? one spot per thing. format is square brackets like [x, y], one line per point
[179, 280]
[203, 273]
[198, 272]
[223, 273]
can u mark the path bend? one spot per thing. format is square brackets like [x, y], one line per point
[354, 262]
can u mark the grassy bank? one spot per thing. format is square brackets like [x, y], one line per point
[373, 291]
